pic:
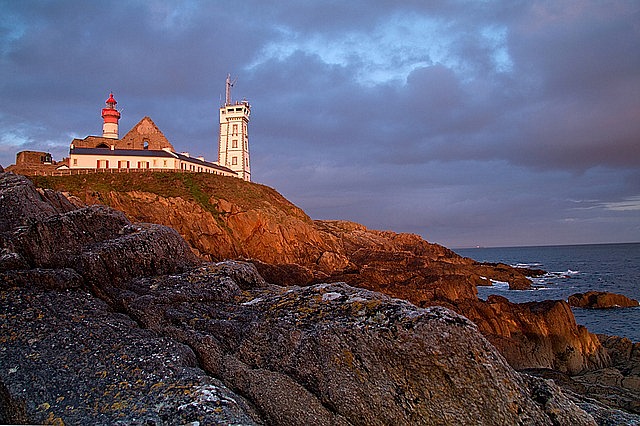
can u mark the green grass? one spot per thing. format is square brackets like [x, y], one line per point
[199, 187]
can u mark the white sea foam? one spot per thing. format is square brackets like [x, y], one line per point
[527, 265]
[575, 269]
[499, 284]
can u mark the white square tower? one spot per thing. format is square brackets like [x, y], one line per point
[233, 145]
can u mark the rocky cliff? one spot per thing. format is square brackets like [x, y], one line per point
[226, 218]
[601, 300]
[108, 322]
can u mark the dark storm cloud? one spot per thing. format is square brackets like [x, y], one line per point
[467, 122]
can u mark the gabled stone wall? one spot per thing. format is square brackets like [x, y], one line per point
[144, 135]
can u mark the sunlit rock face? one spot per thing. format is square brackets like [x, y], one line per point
[124, 324]
[537, 334]
[601, 300]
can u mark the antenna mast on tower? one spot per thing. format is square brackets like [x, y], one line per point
[228, 89]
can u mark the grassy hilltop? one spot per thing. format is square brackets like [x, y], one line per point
[201, 188]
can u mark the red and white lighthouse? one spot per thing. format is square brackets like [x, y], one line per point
[110, 115]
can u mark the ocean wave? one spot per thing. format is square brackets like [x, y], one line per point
[499, 284]
[576, 269]
[569, 273]
[530, 265]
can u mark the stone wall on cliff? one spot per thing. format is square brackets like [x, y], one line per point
[129, 327]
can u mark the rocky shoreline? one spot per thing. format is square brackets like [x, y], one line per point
[601, 300]
[110, 322]
[224, 218]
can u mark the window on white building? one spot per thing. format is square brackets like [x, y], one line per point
[234, 161]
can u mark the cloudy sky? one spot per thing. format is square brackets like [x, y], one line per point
[491, 123]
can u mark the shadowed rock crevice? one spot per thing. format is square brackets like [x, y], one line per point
[12, 410]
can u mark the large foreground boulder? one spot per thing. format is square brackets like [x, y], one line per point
[335, 354]
[21, 202]
[67, 358]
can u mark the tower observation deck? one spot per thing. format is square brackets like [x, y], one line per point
[233, 143]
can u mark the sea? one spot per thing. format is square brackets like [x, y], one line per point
[574, 269]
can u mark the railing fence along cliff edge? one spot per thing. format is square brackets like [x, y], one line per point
[69, 172]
